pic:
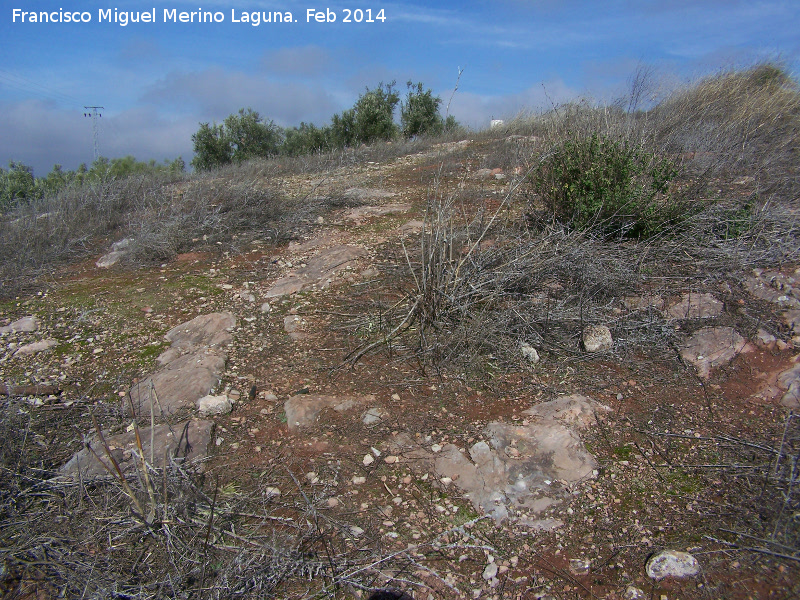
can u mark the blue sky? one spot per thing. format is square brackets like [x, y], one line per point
[158, 81]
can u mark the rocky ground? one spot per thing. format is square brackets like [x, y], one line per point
[562, 478]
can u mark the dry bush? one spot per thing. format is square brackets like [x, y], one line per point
[739, 123]
[175, 532]
[491, 274]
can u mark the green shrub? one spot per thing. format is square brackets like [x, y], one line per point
[615, 186]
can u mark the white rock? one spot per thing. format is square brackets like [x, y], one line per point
[214, 405]
[490, 571]
[597, 338]
[529, 352]
[265, 308]
[633, 593]
[579, 566]
[272, 492]
[368, 460]
[359, 480]
[356, 531]
[25, 324]
[436, 448]
[374, 415]
[672, 563]
[35, 347]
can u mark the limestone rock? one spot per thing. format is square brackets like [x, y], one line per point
[23, 325]
[572, 411]
[211, 331]
[374, 415]
[118, 250]
[187, 441]
[695, 306]
[517, 473]
[597, 338]
[191, 368]
[214, 405]
[712, 347]
[293, 325]
[303, 410]
[789, 381]
[672, 563]
[529, 352]
[35, 347]
[360, 213]
[317, 272]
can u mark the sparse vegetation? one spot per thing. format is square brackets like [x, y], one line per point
[595, 211]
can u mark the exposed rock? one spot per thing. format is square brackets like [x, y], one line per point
[361, 213]
[187, 441]
[118, 250]
[317, 272]
[35, 347]
[672, 563]
[792, 319]
[633, 593]
[191, 368]
[303, 410]
[293, 325]
[23, 325]
[774, 287]
[206, 331]
[712, 347]
[579, 566]
[529, 352]
[571, 411]
[266, 308]
[789, 381]
[695, 306]
[597, 338]
[411, 227]
[765, 339]
[520, 468]
[490, 571]
[374, 415]
[214, 405]
[363, 194]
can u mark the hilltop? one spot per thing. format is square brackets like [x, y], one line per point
[518, 363]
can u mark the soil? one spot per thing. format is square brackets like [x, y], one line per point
[666, 480]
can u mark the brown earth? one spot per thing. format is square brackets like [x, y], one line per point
[662, 481]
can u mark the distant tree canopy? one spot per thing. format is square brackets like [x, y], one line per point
[240, 137]
[19, 186]
[371, 119]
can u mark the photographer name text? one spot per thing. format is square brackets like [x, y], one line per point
[200, 16]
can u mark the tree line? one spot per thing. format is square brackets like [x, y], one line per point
[247, 135]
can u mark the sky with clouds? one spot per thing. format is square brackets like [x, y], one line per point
[158, 80]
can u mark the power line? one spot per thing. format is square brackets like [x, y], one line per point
[26, 85]
[94, 114]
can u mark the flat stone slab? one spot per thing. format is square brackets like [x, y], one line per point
[520, 471]
[361, 213]
[695, 306]
[35, 347]
[774, 287]
[191, 367]
[363, 194]
[210, 331]
[712, 347]
[185, 442]
[317, 272]
[789, 381]
[303, 410]
[23, 325]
